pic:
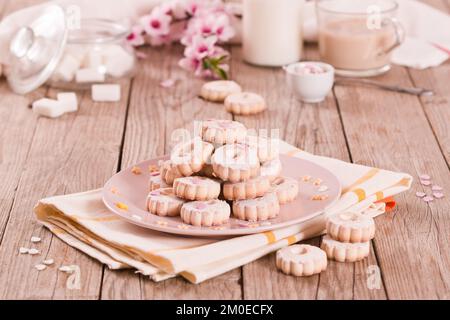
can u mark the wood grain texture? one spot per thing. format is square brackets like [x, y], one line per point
[74, 153]
[390, 131]
[436, 107]
[315, 128]
[154, 115]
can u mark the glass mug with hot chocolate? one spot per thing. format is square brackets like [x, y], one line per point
[357, 37]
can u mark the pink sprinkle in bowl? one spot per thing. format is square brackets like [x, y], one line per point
[310, 80]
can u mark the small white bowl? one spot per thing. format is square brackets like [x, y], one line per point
[310, 87]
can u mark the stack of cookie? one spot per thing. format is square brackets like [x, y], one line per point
[235, 100]
[348, 236]
[222, 172]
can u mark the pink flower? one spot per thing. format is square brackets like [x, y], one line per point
[222, 28]
[191, 6]
[206, 25]
[201, 47]
[135, 38]
[157, 23]
[190, 64]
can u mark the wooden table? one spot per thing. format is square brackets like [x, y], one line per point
[41, 157]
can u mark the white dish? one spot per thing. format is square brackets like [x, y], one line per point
[310, 87]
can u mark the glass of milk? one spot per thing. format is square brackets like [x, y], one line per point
[357, 37]
[272, 32]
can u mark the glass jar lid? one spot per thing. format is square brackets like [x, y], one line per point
[36, 48]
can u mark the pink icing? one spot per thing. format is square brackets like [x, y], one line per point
[200, 206]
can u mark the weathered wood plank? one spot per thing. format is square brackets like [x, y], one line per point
[154, 113]
[389, 130]
[316, 129]
[437, 107]
[74, 153]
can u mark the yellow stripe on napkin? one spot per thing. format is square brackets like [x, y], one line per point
[270, 237]
[370, 174]
[360, 193]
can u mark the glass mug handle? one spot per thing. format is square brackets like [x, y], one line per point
[399, 34]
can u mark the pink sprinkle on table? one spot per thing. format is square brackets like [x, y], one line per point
[424, 177]
[167, 83]
[428, 199]
[425, 182]
[438, 195]
[436, 188]
[420, 194]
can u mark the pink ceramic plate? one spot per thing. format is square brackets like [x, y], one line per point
[131, 189]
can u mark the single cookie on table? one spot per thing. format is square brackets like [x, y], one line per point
[285, 188]
[250, 189]
[221, 132]
[235, 162]
[168, 172]
[267, 148]
[350, 227]
[244, 103]
[258, 209]
[301, 260]
[271, 169]
[190, 157]
[156, 182]
[163, 202]
[196, 188]
[217, 91]
[205, 213]
[345, 251]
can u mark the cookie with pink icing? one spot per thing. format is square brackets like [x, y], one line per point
[196, 188]
[271, 169]
[345, 251]
[245, 103]
[267, 148]
[301, 260]
[285, 188]
[235, 162]
[156, 182]
[168, 172]
[218, 90]
[205, 213]
[191, 156]
[163, 202]
[250, 189]
[350, 227]
[258, 209]
[221, 132]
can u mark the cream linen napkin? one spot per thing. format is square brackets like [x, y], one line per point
[82, 221]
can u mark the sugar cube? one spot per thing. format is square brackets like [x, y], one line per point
[118, 61]
[94, 59]
[105, 92]
[68, 101]
[67, 68]
[89, 75]
[48, 108]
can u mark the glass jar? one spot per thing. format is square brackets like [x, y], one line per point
[44, 50]
[97, 52]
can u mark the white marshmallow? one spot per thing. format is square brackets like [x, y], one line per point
[105, 92]
[67, 68]
[48, 108]
[89, 75]
[118, 61]
[68, 101]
